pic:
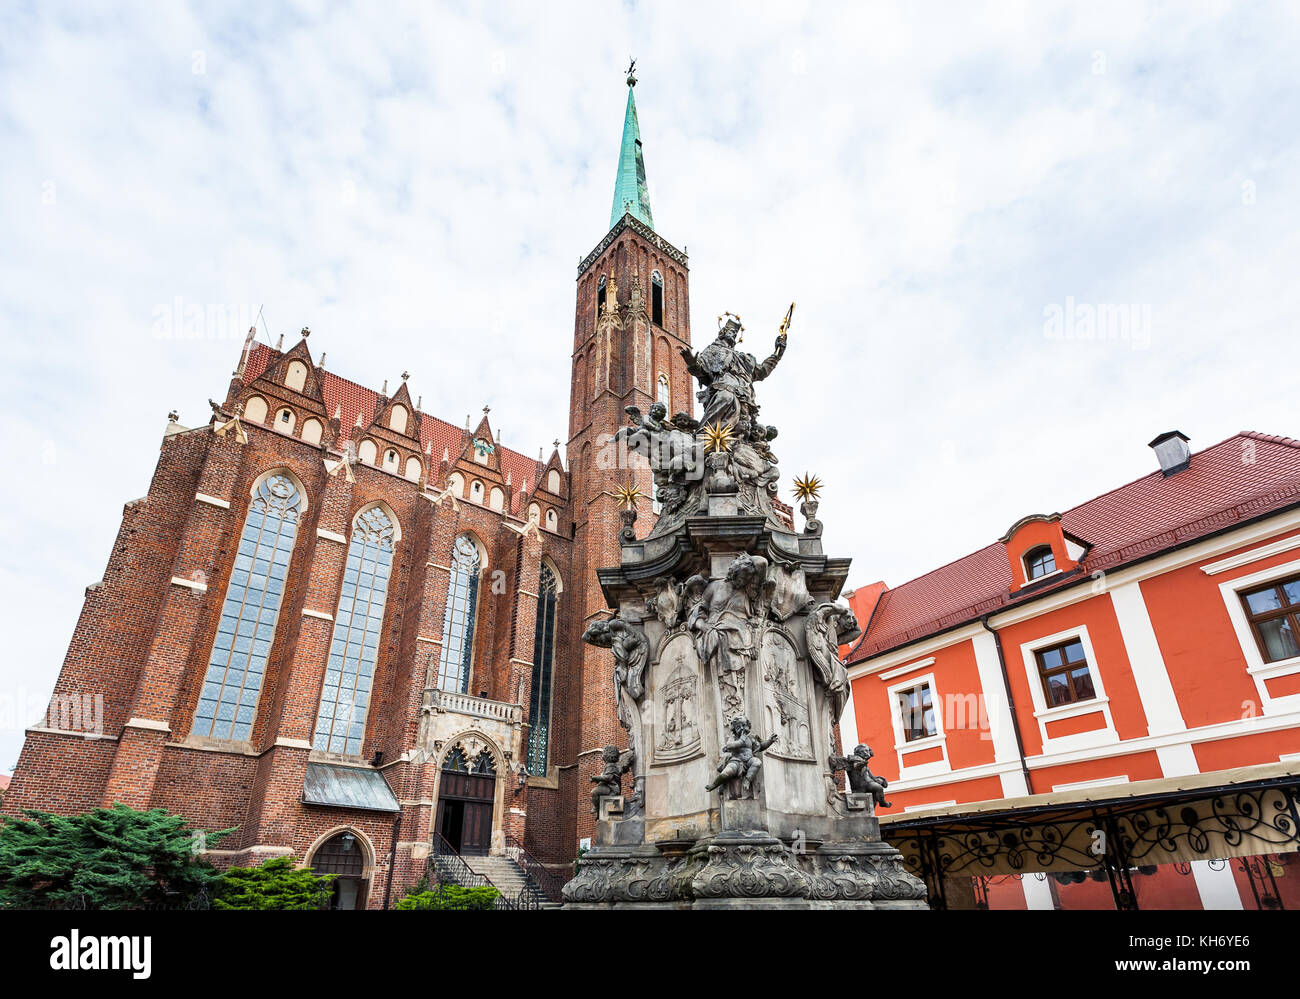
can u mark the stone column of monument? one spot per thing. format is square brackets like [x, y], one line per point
[725, 679]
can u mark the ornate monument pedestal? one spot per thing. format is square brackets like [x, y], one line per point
[728, 684]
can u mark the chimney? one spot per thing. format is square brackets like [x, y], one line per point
[1172, 452]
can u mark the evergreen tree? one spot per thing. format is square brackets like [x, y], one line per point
[277, 884]
[110, 858]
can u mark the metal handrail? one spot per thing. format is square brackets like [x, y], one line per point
[540, 878]
[462, 874]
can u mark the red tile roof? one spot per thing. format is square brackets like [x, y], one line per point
[1236, 480]
[436, 436]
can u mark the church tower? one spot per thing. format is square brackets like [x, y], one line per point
[632, 316]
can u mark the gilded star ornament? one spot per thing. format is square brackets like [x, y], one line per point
[808, 487]
[719, 437]
[628, 494]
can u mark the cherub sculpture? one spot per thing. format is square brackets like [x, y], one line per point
[654, 422]
[740, 757]
[609, 782]
[856, 767]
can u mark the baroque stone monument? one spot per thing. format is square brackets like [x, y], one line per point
[728, 681]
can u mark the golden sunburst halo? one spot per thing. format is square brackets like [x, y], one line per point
[719, 437]
[628, 494]
[808, 487]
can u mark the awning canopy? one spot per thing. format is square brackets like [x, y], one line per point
[348, 787]
[1232, 813]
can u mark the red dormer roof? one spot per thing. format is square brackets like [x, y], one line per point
[436, 435]
[1236, 480]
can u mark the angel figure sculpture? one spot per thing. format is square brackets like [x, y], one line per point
[631, 653]
[720, 623]
[829, 626]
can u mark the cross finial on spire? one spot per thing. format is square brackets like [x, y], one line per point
[405, 375]
[631, 72]
[486, 410]
[306, 332]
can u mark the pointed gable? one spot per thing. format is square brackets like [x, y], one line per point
[346, 400]
[292, 371]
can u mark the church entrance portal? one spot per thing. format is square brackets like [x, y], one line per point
[465, 800]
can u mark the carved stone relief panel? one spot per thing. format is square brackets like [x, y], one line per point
[677, 701]
[786, 698]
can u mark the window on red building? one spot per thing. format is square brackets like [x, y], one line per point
[1274, 615]
[916, 708]
[1039, 561]
[1065, 673]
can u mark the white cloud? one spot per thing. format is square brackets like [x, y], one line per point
[417, 186]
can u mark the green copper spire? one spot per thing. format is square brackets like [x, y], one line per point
[630, 194]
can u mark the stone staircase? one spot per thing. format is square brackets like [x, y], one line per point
[504, 873]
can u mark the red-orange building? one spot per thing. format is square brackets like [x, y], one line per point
[1093, 674]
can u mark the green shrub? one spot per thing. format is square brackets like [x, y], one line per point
[109, 858]
[450, 897]
[277, 884]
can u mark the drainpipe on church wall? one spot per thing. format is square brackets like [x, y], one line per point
[392, 858]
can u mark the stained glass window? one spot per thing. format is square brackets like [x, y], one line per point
[354, 649]
[539, 708]
[457, 657]
[228, 700]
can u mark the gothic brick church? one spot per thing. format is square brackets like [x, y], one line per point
[350, 629]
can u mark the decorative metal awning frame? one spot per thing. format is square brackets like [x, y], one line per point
[1114, 835]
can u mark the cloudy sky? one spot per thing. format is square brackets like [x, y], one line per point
[948, 192]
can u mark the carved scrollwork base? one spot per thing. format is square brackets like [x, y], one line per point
[840, 872]
[611, 875]
[741, 867]
[761, 867]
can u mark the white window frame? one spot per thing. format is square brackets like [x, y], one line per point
[1256, 667]
[902, 746]
[1044, 714]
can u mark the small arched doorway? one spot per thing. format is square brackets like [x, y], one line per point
[466, 795]
[344, 856]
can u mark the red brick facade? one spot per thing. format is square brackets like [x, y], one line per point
[121, 721]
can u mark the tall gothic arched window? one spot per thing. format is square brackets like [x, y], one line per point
[539, 708]
[657, 298]
[457, 657]
[354, 649]
[228, 700]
